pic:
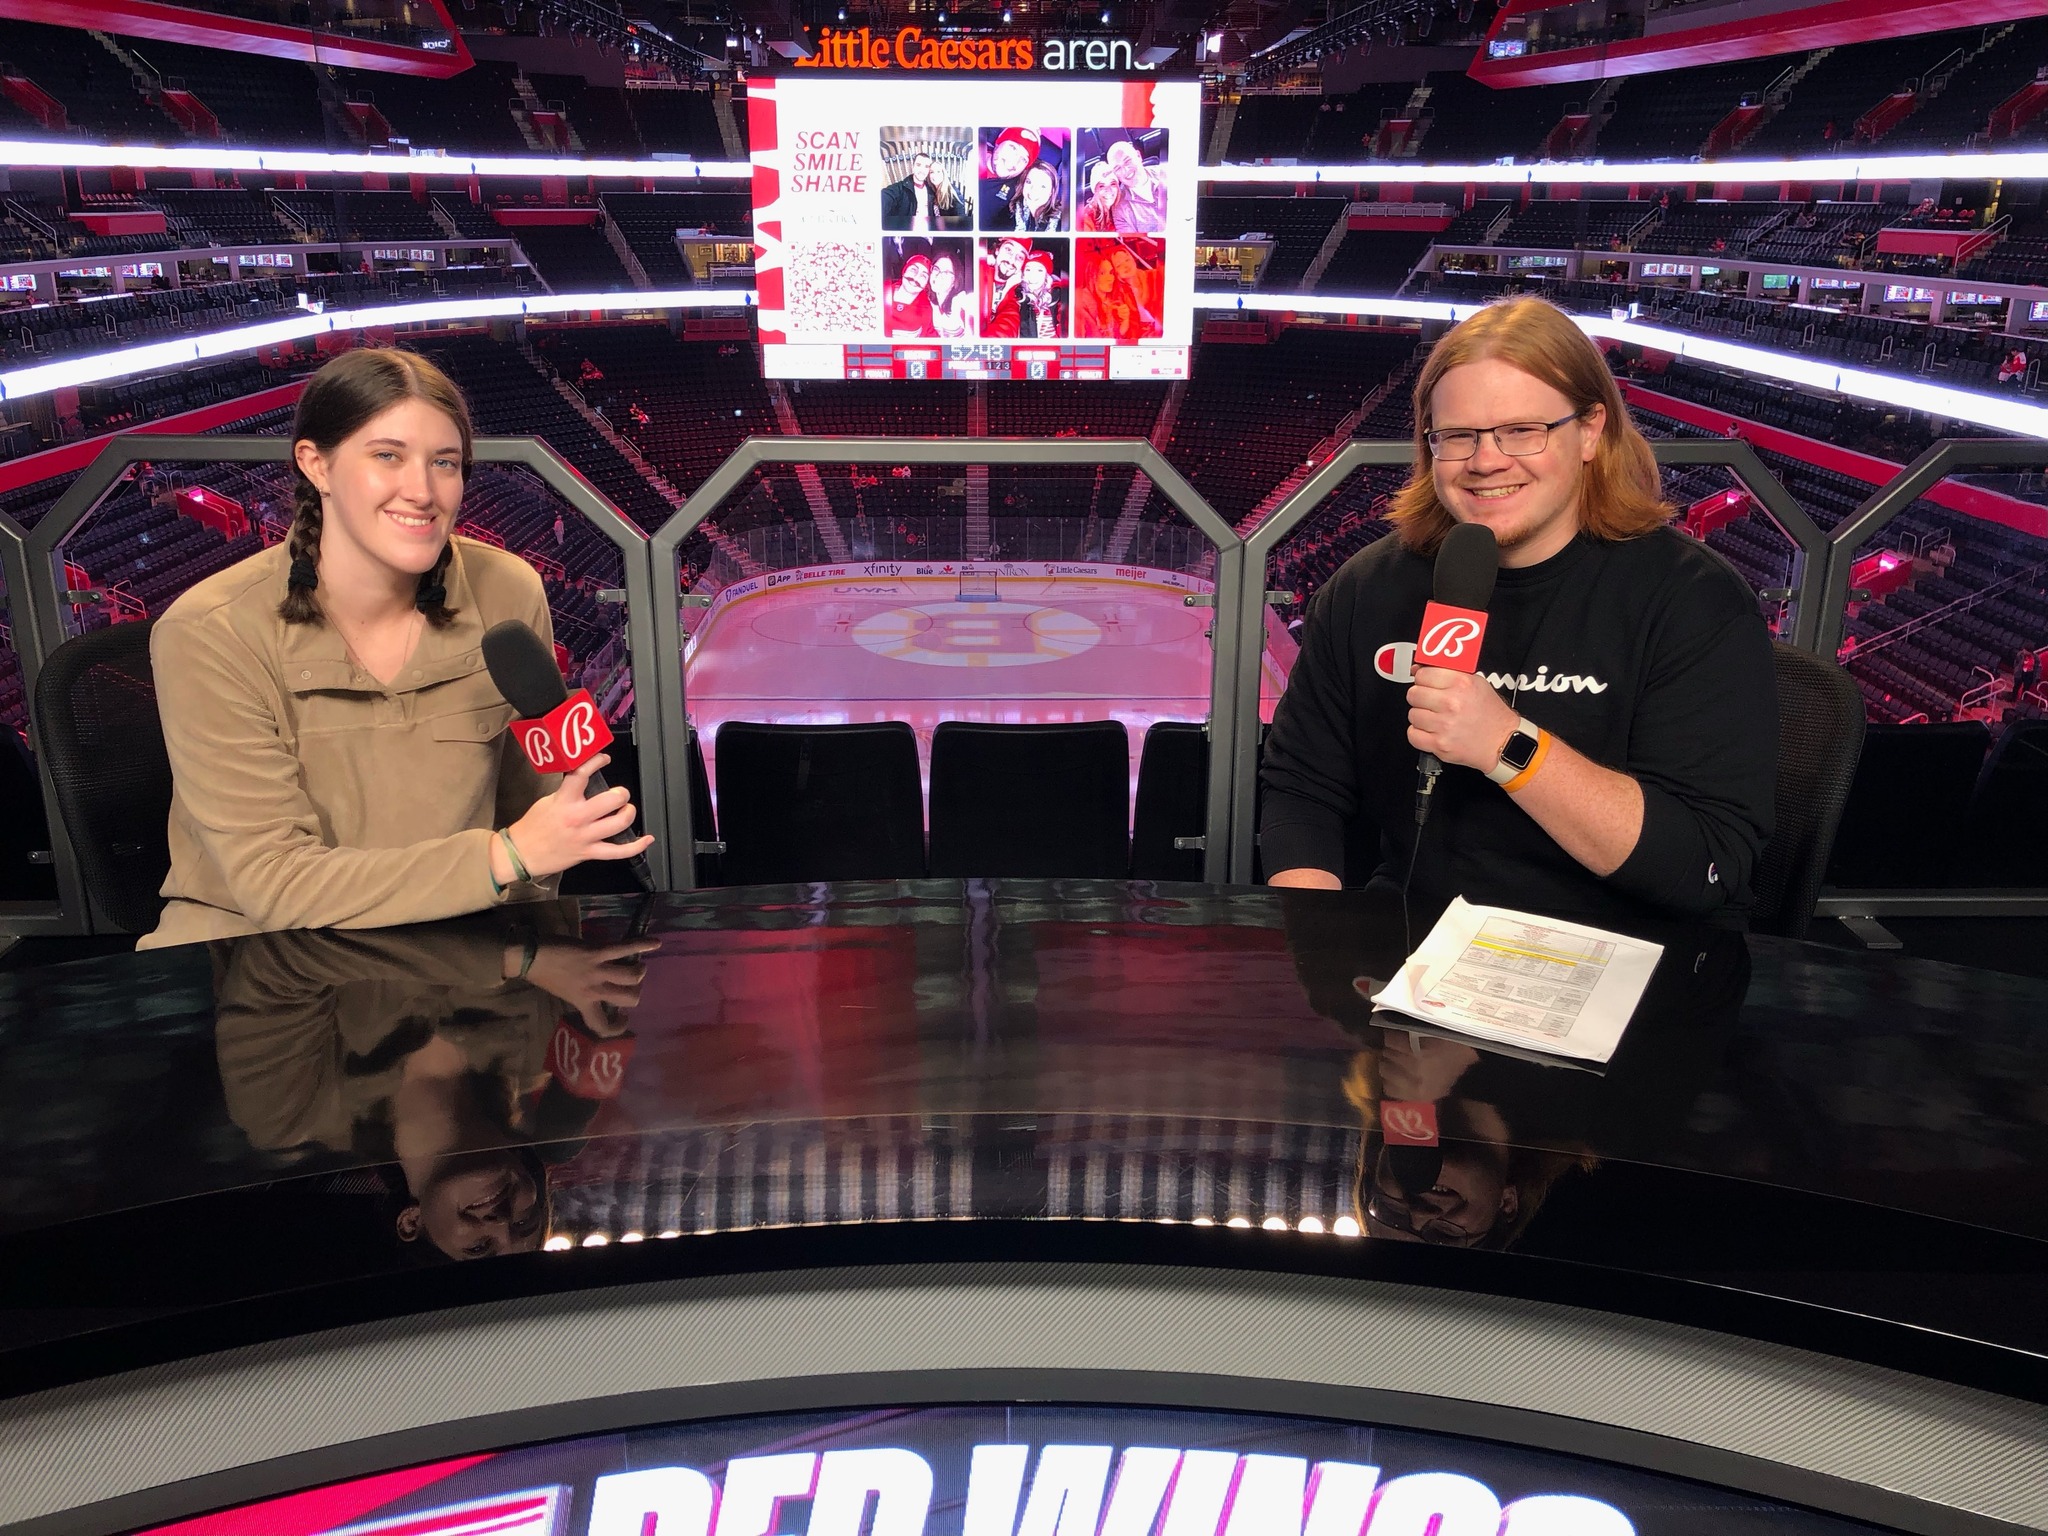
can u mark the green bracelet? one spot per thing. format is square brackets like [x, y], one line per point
[518, 864]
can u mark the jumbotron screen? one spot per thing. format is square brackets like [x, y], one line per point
[974, 226]
[1042, 1470]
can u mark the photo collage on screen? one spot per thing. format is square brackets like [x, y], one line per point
[1015, 232]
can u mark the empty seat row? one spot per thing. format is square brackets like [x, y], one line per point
[842, 802]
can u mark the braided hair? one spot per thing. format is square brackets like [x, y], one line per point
[338, 402]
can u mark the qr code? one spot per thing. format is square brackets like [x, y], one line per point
[834, 287]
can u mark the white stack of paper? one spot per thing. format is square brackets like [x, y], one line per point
[1534, 982]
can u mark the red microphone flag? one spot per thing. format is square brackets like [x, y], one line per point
[1408, 1123]
[1450, 637]
[566, 737]
[586, 1066]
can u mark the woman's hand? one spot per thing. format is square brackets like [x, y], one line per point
[600, 982]
[569, 826]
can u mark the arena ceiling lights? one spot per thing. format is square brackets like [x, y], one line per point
[2002, 413]
[2011, 165]
[1999, 412]
[101, 367]
[21, 154]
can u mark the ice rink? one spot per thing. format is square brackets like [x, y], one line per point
[867, 642]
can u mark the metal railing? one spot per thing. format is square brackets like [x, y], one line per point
[1199, 541]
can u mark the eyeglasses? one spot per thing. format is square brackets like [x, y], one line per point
[1516, 439]
[1390, 1210]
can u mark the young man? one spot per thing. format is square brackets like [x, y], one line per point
[922, 202]
[1141, 207]
[907, 308]
[1615, 754]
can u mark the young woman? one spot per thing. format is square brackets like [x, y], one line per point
[339, 756]
[1037, 203]
[952, 306]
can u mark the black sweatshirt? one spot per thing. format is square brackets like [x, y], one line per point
[1646, 655]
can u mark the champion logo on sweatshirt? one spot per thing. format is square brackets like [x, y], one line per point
[1395, 661]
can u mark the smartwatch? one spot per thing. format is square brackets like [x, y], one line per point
[1518, 754]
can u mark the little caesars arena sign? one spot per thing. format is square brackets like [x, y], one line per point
[914, 48]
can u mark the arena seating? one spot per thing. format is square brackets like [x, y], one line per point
[98, 92]
[572, 258]
[1843, 86]
[1368, 261]
[1709, 227]
[1668, 116]
[257, 100]
[469, 111]
[649, 221]
[110, 407]
[680, 122]
[509, 397]
[1470, 227]
[1251, 414]
[1577, 222]
[2021, 257]
[1470, 121]
[1298, 226]
[1965, 104]
[703, 398]
[226, 216]
[472, 219]
[55, 329]
[1273, 127]
[1344, 126]
[598, 114]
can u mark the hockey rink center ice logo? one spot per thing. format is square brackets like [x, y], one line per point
[1155, 1491]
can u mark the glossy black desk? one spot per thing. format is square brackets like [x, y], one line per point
[1001, 1142]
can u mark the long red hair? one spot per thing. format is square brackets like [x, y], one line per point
[1620, 494]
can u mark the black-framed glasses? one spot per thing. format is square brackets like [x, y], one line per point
[1516, 439]
[1391, 1210]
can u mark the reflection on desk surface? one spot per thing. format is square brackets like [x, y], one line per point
[815, 1056]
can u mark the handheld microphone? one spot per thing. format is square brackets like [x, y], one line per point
[1454, 624]
[524, 670]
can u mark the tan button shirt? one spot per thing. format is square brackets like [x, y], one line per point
[305, 1022]
[306, 794]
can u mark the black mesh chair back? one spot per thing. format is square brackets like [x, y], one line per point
[96, 719]
[1173, 801]
[1031, 801]
[1820, 735]
[2006, 843]
[1903, 826]
[25, 870]
[703, 818]
[819, 802]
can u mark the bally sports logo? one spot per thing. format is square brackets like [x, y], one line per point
[566, 737]
[1451, 637]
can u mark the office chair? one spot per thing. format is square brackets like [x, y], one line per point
[97, 726]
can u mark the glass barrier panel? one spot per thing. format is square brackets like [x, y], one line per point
[1947, 611]
[1713, 504]
[1945, 632]
[836, 593]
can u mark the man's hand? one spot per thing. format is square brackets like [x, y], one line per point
[1416, 1066]
[1459, 717]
